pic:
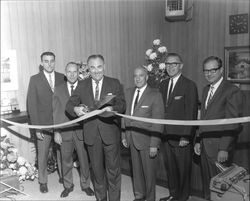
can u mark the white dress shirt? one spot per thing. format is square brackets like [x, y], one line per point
[69, 86]
[99, 86]
[134, 97]
[215, 87]
[52, 77]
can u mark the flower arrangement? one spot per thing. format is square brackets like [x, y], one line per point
[83, 71]
[11, 163]
[155, 63]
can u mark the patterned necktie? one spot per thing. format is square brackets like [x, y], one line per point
[210, 95]
[97, 90]
[72, 89]
[51, 83]
[137, 98]
[170, 89]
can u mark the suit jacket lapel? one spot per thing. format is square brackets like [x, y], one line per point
[44, 79]
[104, 88]
[66, 91]
[130, 100]
[57, 79]
[89, 90]
[216, 93]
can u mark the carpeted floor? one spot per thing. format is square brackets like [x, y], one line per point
[31, 188]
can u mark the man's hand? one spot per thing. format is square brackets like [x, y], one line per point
[222, 156]
[58, 138]
[125, 143]
[153, 152]
[197, 149]
[39, 135]
[183, 142]
[108, 109]
[79, 111]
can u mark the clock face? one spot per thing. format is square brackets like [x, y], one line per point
[238, 23]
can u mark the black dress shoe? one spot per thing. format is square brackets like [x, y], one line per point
[88, 191]
[66, 191]
[43, 188]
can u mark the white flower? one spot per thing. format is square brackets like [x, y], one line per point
[22, 170]
[149, 67]
[156, 42]
[13, 166]
[153, 56]
[12, 157]
[148, 52]
[162, 66]
[162, 49]
[21, 161]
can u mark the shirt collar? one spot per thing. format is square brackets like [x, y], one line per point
[47, 74]
[142, 89]
[217, 84]
[99, 83]
[75, 84]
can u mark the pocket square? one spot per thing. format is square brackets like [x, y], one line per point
[178, 97]
[144, 106]
[109, 94]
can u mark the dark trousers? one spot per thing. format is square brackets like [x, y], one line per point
[67, 149]
[208, 170]
[42, 156]
[178, 165]
[144, 173]
[105, 162]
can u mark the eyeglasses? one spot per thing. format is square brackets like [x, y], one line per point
[174, 64]
[212, 71]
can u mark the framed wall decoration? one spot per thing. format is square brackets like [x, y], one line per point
[237, 64]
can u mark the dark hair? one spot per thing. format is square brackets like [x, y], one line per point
[213, 58]
[95, 56]
[47, 54]
[172, 54]
[74, 63]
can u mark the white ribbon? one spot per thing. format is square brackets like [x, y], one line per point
[147, 120]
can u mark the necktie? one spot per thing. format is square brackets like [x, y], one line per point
[51, 83]
[72, 89]
[170, 89]
[210, 95]
[137, 97]
[97, 91]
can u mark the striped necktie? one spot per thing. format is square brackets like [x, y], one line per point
[97, 90]
[210, 95]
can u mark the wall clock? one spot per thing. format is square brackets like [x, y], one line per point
[238, 23]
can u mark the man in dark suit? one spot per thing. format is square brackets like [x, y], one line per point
[181, 103]
[143, 138]
[101, 133]
[39, 107]
[70, 138]
[220, 100]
